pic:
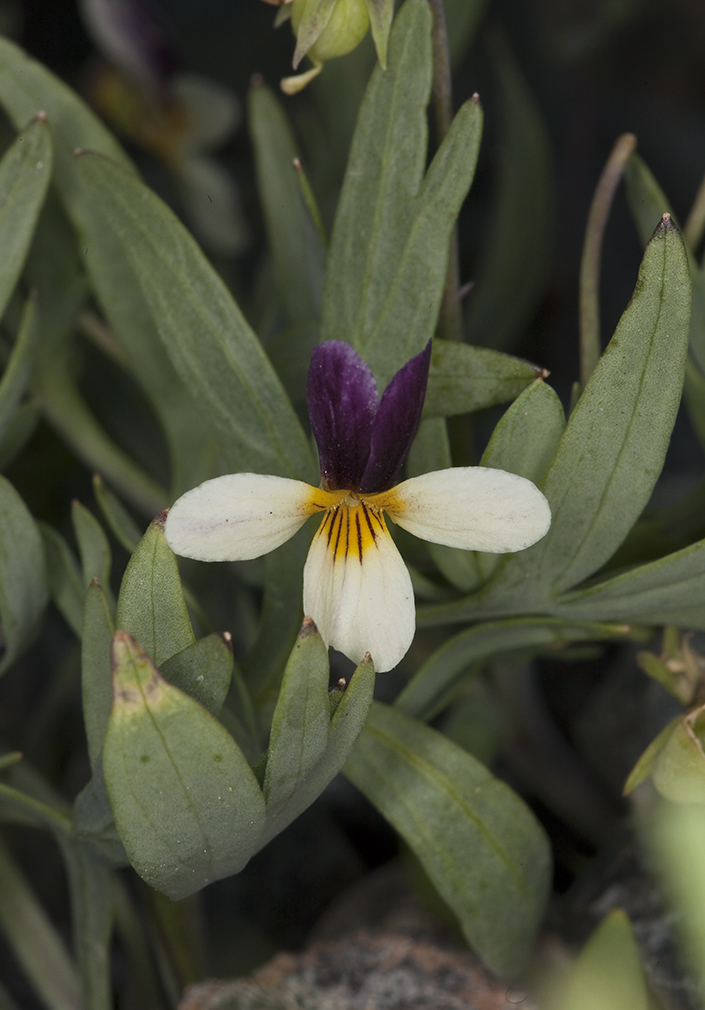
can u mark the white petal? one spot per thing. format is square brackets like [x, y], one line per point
[473, 507]
[358, 591]
[239, 516]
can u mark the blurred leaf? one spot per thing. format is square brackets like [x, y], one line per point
[675, 837]
[93, 546]
[16, 376]
[462, 18]
[345, 727]
[25, 171]
[647, 201]
[67, 411]
[64, 577]
[296, 249]
[122, 525]
[463, 378]
[486, 855]
[187, 806]
[34, 941]
[206, 337]
[23, 578]
[203, 670]
[608, 974]
[461, 656]
[300, 725]
[18, 432]
[678, 767]
[97, 687]
[644, 766]
[515, 265]
[93, 817]
[389, 248]
[151, 604]
[91, 887]
[616, 439]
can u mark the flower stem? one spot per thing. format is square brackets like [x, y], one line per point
[592, 254]
[450, 320]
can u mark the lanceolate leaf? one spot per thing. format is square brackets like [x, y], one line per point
[23, 579]
[151, 604]
[527, 436]
[93, 546]
[25, 171]
[616, 439]
[388, 252]
[608, 974]
[481, 847]
[206, 337]
[96, 681]
[464, 378]
[443, 673]
[203, 670]
[15, 378]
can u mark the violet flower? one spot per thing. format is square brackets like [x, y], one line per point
[357, 588]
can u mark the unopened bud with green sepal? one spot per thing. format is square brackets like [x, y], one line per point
[325, 29]
[186, 803]
[678, 769]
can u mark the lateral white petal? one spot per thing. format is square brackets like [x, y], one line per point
[361, 601]
[473, 507]
[238, 517]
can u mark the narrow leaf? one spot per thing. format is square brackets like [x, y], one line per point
[151, 604]
[206, 337]
[15, 379]
[23, 579]
[300, 723]
[616, 439]
[93, 546]
[96, 680]
[25, 171]
[169, 764]
[464, 378]
[34, 941]
[483, 850]
[122, 525]
[64, 577]
[461, 656]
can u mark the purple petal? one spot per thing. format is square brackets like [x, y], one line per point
[342, 401]
[130, 36]
[396, 423]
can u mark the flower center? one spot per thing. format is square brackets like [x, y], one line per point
[352, 527]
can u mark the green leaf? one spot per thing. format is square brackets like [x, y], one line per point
[678, 768]
[206, 337]
[186, 804]
[483, 850]
[463, 378]
[16, 376]
[515, 266]
[18, 432]
[97, 687]
[25, 171]
[656, 593]
[281, 615]
[91, 887]
[151, 604]
[298, 256]
[23, 578]
[300, 724]
[34, 941]
[462, 19]
[93, 818]
[647, 201]
[616, 439]
[381, 13]
[644, 766]
[66, 410]
[389, 248]
[122, 525]
[64, 577]
[460, 657]
[675, 838]
[93, 546]
[203, 670]
[527, 436]
[608, 974]
[349, 716]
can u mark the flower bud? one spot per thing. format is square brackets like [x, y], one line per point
[347, 26]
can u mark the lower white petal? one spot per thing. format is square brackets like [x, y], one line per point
[239, 516]
[358, 590]
[472, 507]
